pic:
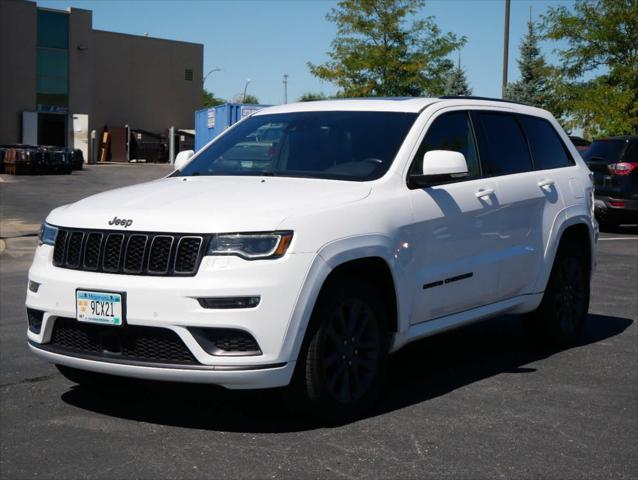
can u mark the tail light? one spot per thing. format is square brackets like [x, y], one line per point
[617, 204]
[622, 168]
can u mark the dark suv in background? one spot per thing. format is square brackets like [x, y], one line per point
[614, 162]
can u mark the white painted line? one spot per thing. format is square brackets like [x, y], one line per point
[617, 238]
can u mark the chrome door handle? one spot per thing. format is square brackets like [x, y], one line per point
[546, 182]
[484, 192]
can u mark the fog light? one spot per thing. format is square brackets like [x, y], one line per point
[33, 286]
[229, 302]
[34, 317]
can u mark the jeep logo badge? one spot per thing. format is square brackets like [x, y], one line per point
[121, 221]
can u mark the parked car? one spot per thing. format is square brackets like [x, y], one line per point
[614, 162]
[580, 143]
[374, 223]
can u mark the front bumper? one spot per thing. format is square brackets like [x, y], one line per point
[171, 303]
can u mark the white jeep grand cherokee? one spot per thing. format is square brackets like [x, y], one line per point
[306, 257]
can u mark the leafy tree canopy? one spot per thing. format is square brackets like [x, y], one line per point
[311, 96]
[250, 99]
[381, 50]
[209, 99]
[597, 82]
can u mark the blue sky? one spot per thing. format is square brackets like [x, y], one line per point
[263, 39]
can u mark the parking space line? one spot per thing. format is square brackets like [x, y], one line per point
[618, 238]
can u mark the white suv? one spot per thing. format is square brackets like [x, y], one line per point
[363, 226]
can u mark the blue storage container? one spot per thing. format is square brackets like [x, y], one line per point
[210, 122]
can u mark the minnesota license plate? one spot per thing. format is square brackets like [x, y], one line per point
[99, 307]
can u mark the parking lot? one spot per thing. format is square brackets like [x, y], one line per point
[480, 402]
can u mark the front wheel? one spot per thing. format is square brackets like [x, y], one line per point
[342, 362]
[560, 318]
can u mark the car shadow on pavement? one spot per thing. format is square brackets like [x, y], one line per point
[419, 372]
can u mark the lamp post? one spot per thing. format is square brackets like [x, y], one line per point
[243, 98]
[506, 43]
[285, 88]
[216, 69]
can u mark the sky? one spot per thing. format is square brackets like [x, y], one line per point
[261, 40]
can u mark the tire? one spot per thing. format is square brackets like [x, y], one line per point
[560, 318]
[93, 380]
[342, 362]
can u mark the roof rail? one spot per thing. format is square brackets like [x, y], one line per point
[471, 97]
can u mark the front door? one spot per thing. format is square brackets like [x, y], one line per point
[456, 230]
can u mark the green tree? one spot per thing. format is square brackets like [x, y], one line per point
[250, 99]
[312, 96]
[381, 50]
[598, 78]
[457, 82]
[533, 86]
[209, 99]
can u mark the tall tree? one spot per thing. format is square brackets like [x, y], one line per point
[312, 96]
[532, 88]
[457, 82]
[209, 99]
[250, 99]
[598, 81]
[381, 50]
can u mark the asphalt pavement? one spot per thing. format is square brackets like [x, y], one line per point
[479, 402]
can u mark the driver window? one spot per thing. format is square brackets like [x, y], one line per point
[450, 131]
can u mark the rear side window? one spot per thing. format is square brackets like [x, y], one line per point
[504, 149]
[547, 148]
[631, 155]
[450, 131]
[609, 151]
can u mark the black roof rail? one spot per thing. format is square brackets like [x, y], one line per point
[471, 97]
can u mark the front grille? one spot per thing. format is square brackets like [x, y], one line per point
[131, 253]
[129, 342]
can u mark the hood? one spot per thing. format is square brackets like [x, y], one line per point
[206, 204]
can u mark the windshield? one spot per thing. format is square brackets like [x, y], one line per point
[356, 146]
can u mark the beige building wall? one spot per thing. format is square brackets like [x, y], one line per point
[140, 81]
[18, 21]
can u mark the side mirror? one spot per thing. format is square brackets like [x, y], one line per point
[439, 166]
[183, 158]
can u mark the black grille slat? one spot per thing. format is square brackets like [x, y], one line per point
[130, 342]
[134, 256]
[59, 251]
[74, 249]
[187, 254]
[132, 253]
[160, 254]
[92, 249]
[112, 252]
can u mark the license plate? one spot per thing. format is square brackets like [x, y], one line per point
[99, 307]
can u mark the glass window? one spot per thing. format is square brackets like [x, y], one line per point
[547, 148]
[53, 63]
[355, 146]
[505, 150]
[609, 151]
[450, 131]
[631, 154]
[53, 29]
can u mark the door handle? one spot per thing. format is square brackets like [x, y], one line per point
[546, 182]
[484, 192]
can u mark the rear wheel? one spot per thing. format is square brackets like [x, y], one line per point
[342, 363]
[560, 318]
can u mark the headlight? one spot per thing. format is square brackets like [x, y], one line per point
[48, 234]
[251, 246]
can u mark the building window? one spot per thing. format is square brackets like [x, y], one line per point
[188, 74]
[52, 92]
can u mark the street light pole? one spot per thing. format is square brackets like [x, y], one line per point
[285, 88]
[243, 98]
[216, 69]
[506, 43]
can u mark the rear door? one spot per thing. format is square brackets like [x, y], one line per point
[529, 199]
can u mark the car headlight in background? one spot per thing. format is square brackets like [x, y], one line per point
[251, 246]
[48, 233]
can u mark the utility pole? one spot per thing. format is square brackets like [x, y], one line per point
[285, 88]
[506, 44]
